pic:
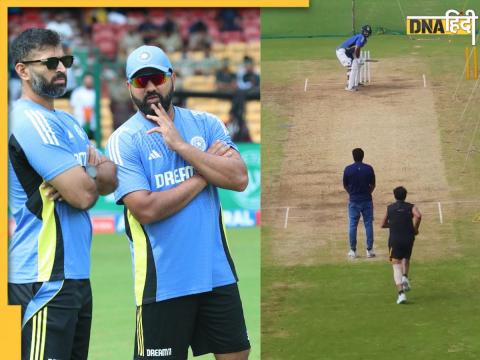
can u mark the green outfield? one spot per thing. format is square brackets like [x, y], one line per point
[330, 308]
[112, 284]
[334, 18]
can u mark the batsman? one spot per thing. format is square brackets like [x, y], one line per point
[348, 53]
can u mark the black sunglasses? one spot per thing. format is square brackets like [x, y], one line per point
[52, 62]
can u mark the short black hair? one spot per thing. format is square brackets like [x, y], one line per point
[30, 40]
[357, 154]
[400, 193]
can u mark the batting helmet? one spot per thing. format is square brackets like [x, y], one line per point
[366, 30]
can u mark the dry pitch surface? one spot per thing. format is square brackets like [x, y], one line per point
[393, 119]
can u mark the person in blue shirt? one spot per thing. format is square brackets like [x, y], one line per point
[170, 162]
[55, 175]
[359, 183]
[348, 53]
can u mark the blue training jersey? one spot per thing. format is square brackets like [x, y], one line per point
[186, 253]
[356, 40]
[358, 179]
[51, 239]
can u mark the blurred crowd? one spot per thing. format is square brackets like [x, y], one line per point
[220, 47]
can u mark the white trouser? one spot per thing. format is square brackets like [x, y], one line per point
[343, 58]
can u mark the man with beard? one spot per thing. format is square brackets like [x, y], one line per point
[170, 162]
[54, 177]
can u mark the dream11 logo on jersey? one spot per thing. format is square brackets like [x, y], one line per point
[453, 23]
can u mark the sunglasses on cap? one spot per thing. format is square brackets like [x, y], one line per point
[52, 62]
[141, 82]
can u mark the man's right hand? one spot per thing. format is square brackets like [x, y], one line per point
[166, 128]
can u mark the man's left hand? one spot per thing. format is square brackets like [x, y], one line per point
[50, 192]
[220, 148]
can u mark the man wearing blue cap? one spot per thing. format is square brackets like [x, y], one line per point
[170, 162]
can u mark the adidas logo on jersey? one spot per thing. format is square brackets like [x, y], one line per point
[154, 155]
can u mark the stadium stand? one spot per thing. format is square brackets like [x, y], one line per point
[101, 46]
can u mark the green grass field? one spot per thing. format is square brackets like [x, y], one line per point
[113, 328]
[346, 310]
[334, 18]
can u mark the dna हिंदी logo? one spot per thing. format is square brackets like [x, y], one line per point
[453, 23]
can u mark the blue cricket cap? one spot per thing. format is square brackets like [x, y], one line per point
[147, 57]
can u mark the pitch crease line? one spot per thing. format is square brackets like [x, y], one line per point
[286, 218]
[440, 213]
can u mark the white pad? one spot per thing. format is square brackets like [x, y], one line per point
[344, 59]
[397, 273]
[360, 68]
[354, 74]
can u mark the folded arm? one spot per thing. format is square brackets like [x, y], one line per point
[106, 180]
[228, 172]
[75, 187]
[78, 189]
[147, 206]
